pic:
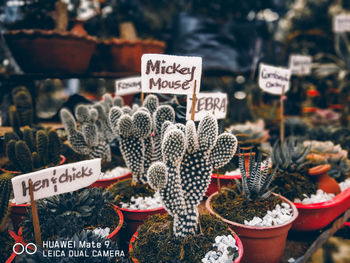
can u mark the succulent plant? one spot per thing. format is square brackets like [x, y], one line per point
[249, 134]
[254, 185]
[327, 149]
[325, 117]
[67, 214]
[81, 254]
[5, 190]
[183, 176]
[90, 139]
[339, 169]
[290, 155]
[37, 149]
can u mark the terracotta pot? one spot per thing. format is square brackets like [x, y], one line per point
[134, 218]
[42, 51]
[317, 216]
[261, 244]
[104, 183]
[325, 182]
[78, 28]
[224, 181]
[121, 55]
[238, 243]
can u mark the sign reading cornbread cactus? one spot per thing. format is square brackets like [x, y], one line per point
[183, 176]
[56, 180]
[300, 65]
[215, 103]
[128, 86]
[341, 23]
[274, 80]
[170, 74]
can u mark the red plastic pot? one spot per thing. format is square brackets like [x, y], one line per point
[115, 235]
[316, 216]
[238, 243]
[261, 244]
[224, 181]
[104, 183]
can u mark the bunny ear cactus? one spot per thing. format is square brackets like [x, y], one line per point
[88, 140]
[183, 176]
[118, 101]
[133, 130]
[161, 115]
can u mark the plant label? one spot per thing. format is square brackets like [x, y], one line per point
[128, 86]
[300, 65]
[215, 103]
[273, 79]
[170, 74]
[56, 180]
[341, 23]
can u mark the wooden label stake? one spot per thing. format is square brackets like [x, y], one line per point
[282, 115]
[35, 216]
[142, 98]
[194, 98]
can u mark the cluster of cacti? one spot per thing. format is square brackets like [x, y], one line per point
[135, 128]
[290, 155]
[5, 193]
[94, 133]
[255, 183]
[36, 149]
[183, 176]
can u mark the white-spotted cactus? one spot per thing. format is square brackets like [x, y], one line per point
[88, 138]
[189, 157]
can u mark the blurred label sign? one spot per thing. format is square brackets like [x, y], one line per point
[341, 23]
[300, 65]
[215, 103]
[56, 180]
[170, 74]
[273, 79]
[128, 86]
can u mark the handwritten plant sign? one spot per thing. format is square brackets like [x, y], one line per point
[300, 65]
[215, 103]
[128, 86]
[274, 79]
[56, 180]
[341, 23]
[170, 74]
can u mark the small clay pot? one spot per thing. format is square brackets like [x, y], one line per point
[325, 182]
[261, 244]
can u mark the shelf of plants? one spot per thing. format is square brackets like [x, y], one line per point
[228, 155]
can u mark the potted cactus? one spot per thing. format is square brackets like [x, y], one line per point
[260, 218]
[139, 132]
[189, 156]
[250, 136]
[67, 214]
[34, 150]
[5, 238]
